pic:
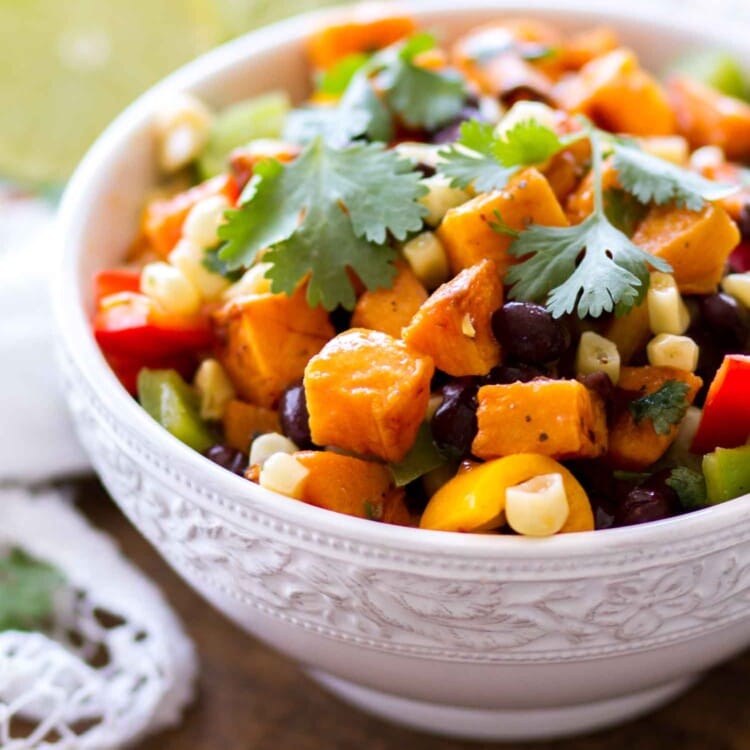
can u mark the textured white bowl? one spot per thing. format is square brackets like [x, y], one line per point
[470, 635]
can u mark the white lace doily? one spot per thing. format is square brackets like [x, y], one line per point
[116, 663]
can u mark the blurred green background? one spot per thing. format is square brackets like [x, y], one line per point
[67, 67]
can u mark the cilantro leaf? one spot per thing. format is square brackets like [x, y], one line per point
[591, 268]
[423, 98]
[489, 161]
[651, 179]
[623, 210]
[422, 458]
[665, 407]
[212, 262]
[690, 487]
[27, 588]
[335, 80]
[328, 210]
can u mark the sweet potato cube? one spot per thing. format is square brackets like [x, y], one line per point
[243, 421]
[353, 486]
[707, 117]
[618, 95]
[580, 203]
[695, 244]
[468, 237]
[269, 340]
[557, 418]
[632, 446]
[389, 310]
[454, 325]
[587, 45]
[367, 393]
[368, 28]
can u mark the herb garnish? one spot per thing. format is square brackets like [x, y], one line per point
[690, 487]
[665, 407]
[27, 587]
[327, 211]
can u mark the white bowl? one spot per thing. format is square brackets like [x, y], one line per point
[477, 636]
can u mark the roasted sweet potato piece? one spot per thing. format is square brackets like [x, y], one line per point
[695, 244]
[585, 46]
[269, 339]
[580, 203]
[367, 393]
[371, 27]
[557, 418]
[389, 310]
[708, 118]
[243, 421]
[632, 446]
[353, 486]
[162, 219]
[567, 168]
[618, 95]
[454, 325]
[468, 237]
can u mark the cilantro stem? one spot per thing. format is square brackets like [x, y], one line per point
[596, 166]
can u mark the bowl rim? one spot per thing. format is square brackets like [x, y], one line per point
[74, 325]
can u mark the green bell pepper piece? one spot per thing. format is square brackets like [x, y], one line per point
[716, 69]
[727, 473]
[174, 405]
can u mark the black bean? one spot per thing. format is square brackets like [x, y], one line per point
[454, 423]
[598, 382]
[427, 170]
[295, 420]
[340, 319]
[512, 373]
[228, 458]
[652, 500]
[726, 318]
[530, 333]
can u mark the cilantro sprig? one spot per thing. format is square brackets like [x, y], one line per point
[420, 97]
[327, 211]
[488, 161]
[27, 588]
[690, 487]
[665, 407]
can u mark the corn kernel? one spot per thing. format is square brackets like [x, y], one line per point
[418, 153]
[667, 312]
[170, 289]
[182, 128]
[672, 148]
[524, 111]
[426, 256]
[668, 350]
[265, 446]
[188, 258]
[537, 507]
[202, 223]
[597, 354]
[737, 285]
[284, 474]
[440, 198]
[253, 281]
[436, 399]
[215, 389]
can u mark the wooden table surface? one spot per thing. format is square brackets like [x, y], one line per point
[250, 698]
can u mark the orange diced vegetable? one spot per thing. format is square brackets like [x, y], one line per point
[558, 418]
[367, 393]
[353, 486]
[163, 219]
[567, 168]
[695, 243]
[585, 46]
[630, 332]
[454, 325]
[474, 500]
[707, 117]
[618, 95]
[269, 340]
[242, 422]
[580, 203]
[370, 28]
[636, 446]
[468, 237]
[389, 310]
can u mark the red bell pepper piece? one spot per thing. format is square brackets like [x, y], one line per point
[739, 259]
[128, 325]
[114, 281]
[725, 422]
[163, 219]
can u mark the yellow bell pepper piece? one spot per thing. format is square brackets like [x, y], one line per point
[474, 500]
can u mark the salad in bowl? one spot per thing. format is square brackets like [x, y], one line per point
[497, 286]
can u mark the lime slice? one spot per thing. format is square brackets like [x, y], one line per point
[259, 117]
[716, 69]
[70, 66]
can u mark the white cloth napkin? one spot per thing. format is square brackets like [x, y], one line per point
[36, 436]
